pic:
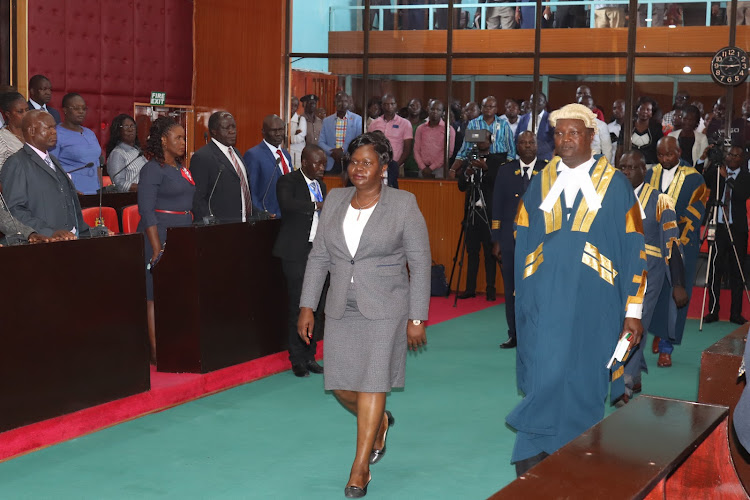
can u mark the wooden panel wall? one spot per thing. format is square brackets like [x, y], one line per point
[239, 63]
[442, 205]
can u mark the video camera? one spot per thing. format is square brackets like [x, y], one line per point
[719, 144]
[474, 137]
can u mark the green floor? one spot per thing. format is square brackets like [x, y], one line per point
[283, 437]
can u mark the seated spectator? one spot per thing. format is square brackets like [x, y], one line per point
[124, 157]
[40, 93]
[77, 146]
[429, 143]
[13, 106]
[37, 190]
[693, 144]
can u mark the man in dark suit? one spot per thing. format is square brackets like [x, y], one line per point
[477, 177]
[545, 133]
[734, 190]
[265, 163]
[351, 126]
[40, 93]
[300, 196]
[38, 191]
[510, 184]
[220, 164]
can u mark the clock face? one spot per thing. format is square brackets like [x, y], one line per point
[730, 66]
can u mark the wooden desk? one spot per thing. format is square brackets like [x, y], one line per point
[651, 448]
[220, 297]
[719, 384]
[74, 327]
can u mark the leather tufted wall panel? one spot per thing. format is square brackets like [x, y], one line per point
[112, 52]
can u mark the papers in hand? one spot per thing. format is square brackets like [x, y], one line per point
[622, 347]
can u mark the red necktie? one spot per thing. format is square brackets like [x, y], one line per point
[243, 184]
[284, 166]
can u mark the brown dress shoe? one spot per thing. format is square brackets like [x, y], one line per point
[655, 345]
[665, 360]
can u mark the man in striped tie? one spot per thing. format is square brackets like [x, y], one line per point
[266, 162]
[222, 187]
[300, 196]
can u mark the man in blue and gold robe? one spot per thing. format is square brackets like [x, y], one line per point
[686, 187]
[580, 267]
[664, 261]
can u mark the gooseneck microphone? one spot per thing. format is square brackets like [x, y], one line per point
[210, 219]
[273, 176]
[88, 165]
[140, 153]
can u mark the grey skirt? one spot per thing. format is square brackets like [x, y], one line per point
[364, 355]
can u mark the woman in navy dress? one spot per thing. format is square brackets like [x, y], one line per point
[165, 197]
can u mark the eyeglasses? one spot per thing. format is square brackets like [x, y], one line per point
[130, 126]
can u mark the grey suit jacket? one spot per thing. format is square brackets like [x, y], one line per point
[395, 235]
[38, 196]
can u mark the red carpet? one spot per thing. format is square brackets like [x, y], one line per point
[171, 389]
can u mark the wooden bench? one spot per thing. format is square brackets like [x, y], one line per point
[652, 448]
[720, 385]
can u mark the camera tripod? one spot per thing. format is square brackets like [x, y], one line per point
[710, 235]
[471, 212]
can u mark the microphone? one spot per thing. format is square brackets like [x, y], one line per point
[140, 153]
[88, 165]
[17, 238]
[276, 169]
[210, 219]
[205, 137]
[99, 229]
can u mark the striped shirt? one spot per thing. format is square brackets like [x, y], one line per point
[125, 165]
[500, 129]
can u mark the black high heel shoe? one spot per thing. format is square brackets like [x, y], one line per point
[376, 455]
[356, 491]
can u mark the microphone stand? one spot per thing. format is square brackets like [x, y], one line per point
[100, 229]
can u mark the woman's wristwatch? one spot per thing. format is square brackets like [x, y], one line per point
[416, 322]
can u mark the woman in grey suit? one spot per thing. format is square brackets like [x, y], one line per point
[375, 309]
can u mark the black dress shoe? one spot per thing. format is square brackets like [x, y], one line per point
[300, 371]
[508, 344]
[491, 297]
[356, 491]
[467, 295]
[313, 366]
[711, 318]
[738, 320]
[376, 455]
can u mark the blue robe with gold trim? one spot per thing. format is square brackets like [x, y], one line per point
[660, 231]
[575, 278]
[689, 195]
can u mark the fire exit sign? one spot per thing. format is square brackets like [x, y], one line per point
[158, 98]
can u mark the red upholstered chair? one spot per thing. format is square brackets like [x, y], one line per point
[108, 213]
[130, 219]
[106, 180]
[704, 246]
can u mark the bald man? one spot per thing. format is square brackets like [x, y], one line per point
[266, 162]
[687, 189]
[38, 191]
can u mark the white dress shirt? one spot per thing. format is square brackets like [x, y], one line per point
[273, 151]
[314, 226]
[225, 149]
